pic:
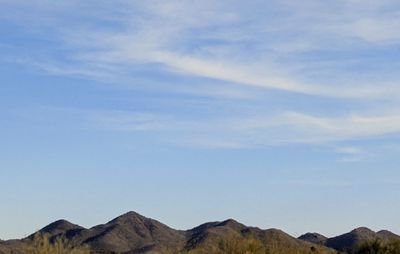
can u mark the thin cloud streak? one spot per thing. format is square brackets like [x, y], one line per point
[216, 41]
[284, 128]
[165, 33]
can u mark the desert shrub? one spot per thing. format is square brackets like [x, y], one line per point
[379, 247]
[232, 245]
[242, 246]
[41, 244]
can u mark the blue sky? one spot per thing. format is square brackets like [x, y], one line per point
[275, 113]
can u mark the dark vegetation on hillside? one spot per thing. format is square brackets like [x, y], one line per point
[132, 233]
[379, 247]
[42, 244]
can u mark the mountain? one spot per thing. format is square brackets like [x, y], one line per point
[2, 248]
[349, 242]
[133, 233]
[387, 235]
[11, 247]
[60, 228]
[207, 236]
[314, 238]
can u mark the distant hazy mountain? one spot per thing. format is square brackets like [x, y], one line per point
[133, 233]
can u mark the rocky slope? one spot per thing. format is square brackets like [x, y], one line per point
[314, 238]
[349, 242]
[133, 233]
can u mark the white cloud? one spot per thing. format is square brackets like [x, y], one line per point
[286, 50]
[344, 128]
[350, 154]
[285, 128]
[349, 150]
[376, 30]
[163, 32]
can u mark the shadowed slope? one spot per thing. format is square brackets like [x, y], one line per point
[12, 246]
[314, 238]
[60, 228]
[208, 237]
[132, 232]
[386, 235]
[352, 240]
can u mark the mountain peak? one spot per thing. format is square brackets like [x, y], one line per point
[349, 241]
[59, 226]
[313, 238]
[313, 234]
[131, 216]
[134, 233]
[387, 235]
[362, 230]
[229, 222]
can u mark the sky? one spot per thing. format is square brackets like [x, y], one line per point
[279, 114]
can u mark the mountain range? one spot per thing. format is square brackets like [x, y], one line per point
[133, 233]
[348, 242]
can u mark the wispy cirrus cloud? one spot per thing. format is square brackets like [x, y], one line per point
[244, 131]
[350, 154]
[219, 41]
[277, 129]
[179, 36]
[338, 51]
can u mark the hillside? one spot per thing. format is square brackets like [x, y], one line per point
[314, 238]
[349, 242]
[133, 233]
[208, 235]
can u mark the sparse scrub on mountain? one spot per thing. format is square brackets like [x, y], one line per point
[134, 233]
[232, 245]
[379, 247]
[41, 244]
[248, 245]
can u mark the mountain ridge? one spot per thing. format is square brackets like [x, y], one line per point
[313, 238]
[134, 233]
[350, 241]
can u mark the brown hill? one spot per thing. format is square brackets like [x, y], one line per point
[386, 235]
[60, 228]
[133, 233]
[128, 233]
[208, 236]
[11, 247]
[350, 241]
[314, 238]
